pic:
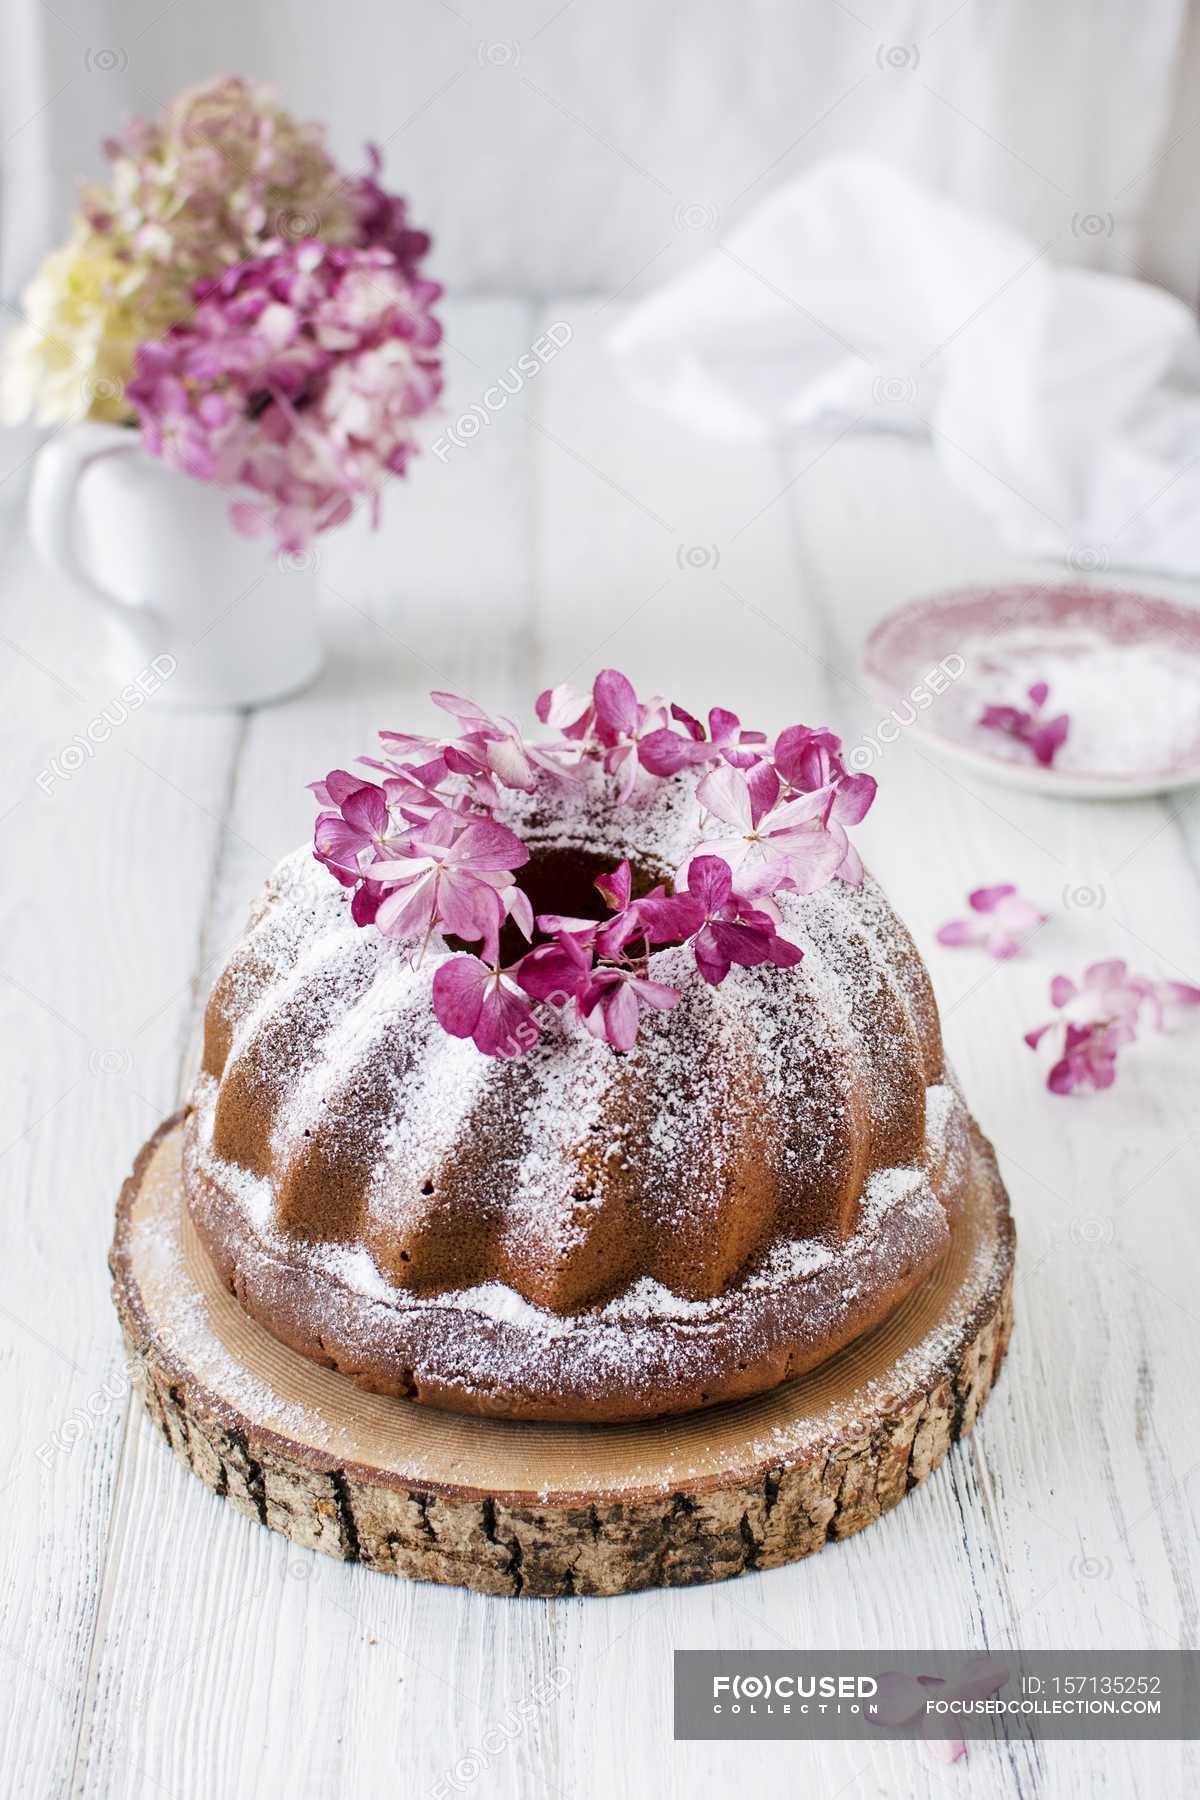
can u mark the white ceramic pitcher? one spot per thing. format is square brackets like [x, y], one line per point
[157, 551]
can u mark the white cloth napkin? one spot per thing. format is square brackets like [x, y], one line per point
[1066, 403]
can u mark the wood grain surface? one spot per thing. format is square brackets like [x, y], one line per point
[156, 1643]
[552, 1510]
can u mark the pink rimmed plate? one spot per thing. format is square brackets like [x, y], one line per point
[1124, 666]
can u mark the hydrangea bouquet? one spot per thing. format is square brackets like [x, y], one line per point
[259, 313]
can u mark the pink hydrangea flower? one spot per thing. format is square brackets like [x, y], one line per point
[722, 927]
[792, 845]
[556, 972]
[494, 747]
[362, 822]
[1107, 991]
[901, 1699]
[451, 876]
[567, 709]
[381, 218]
[1088, 1055]
[1003, 922]
[611, 1003]
[485, 752]
[341, 838]
[621, 722]
[811, 762]
[1045, 737]
[665, 752]
[1163, 999]
[425, 853]
[296, 381]
[472, 999]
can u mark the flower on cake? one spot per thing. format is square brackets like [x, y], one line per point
[428, 856]
[486, 751]
[621, 721]
[722, 927]
[1030, 725]
[1097, 1017]
[567, 709]
[484, 1004]
[454, 875]
[1003, 923]
[611, 1003]
[664, 751]
[792, 844]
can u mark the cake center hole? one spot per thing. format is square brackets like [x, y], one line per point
[563, 881]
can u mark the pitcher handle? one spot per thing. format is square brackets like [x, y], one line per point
[60, 465]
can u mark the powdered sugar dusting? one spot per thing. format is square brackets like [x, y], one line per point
[1134, 708]
[187, 1328]
[789, 1077]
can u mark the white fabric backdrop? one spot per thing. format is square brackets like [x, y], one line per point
[599, 144]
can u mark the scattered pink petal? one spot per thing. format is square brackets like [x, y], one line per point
[1097, 1017]
[1003, 923]
[902, 1699]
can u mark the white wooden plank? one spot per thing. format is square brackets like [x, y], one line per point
[436, 600]
[744, 631]
[555, 540]
[1063, 1461]
[93, 948]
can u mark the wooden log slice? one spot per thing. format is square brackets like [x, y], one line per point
[512, 1508]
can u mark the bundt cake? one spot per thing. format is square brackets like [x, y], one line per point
[697, 1139]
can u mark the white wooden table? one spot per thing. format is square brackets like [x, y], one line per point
[154, 1642]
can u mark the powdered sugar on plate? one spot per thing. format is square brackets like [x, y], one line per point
[1124, 666]
[1134, 708]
